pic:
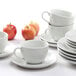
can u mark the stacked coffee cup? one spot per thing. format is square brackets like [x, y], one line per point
[67, 46]
[60, 22]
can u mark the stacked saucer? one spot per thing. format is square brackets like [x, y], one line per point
[48, 38]
[67, 47]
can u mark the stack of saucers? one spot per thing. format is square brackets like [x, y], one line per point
[67, 47]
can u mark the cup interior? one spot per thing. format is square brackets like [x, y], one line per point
[34, 44]
[62, 13]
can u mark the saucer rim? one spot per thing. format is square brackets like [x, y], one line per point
[68, 60]
[71, 54]
[72, 58]
[61, 44]
[66, 57]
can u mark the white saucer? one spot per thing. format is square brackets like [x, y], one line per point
[63, 45]
[45, 36]
[68, 60]
[67, 56]
[50, 59]
[64, 52]
[71, 35]
[5, 53]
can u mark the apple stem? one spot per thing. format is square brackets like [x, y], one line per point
[10, 23]
[27, 27]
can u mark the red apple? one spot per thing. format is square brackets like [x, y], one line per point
[28, 33]
[11, 31]
[35, 26]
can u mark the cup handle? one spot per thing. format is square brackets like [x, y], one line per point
[15, 52]
[49, 14]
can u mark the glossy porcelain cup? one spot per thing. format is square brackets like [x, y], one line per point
[3, 41]
[58, 32]
[33, 51]
[59, 17]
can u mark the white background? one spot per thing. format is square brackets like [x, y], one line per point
[20, 13]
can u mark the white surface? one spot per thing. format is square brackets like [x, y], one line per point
[19, 13]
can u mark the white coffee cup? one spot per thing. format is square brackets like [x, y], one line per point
[59, 17]
[58, 32]
[33, 51]
[3, 41]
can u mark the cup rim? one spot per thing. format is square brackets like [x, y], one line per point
[45, 46]
[67, 17]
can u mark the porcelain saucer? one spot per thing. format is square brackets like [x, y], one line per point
[63, 45]
[49, 60]
[67, 56]
[66, 53]
[5, 53]
[71, 36]
[45, 36]
[67, 59]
